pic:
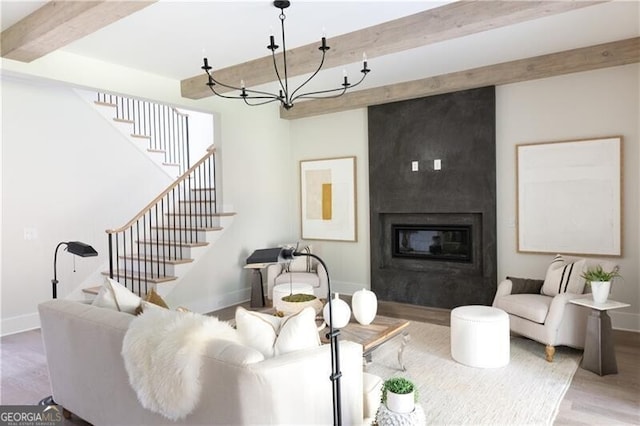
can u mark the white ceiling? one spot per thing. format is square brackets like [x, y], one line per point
[168, 38]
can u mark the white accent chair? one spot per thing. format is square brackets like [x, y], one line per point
[303, 269]
[548, 319]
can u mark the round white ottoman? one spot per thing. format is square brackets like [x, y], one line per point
[480, 336]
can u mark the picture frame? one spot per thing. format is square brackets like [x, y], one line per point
[569, 197]
[328, 199]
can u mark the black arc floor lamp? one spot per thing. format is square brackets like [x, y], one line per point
[281, 255]
[73, 247]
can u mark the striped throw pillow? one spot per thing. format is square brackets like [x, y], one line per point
[563, 277]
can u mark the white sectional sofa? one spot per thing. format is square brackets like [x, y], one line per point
[83, 346]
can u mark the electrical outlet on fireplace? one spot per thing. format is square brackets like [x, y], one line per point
[414, 166]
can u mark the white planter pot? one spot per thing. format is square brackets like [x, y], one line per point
[364, 304]
[600, 290]
[401, 402]
[340, 310]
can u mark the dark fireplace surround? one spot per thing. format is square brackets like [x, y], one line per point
[458, 129]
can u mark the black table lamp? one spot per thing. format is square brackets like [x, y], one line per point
[281, 255]
[73, 247]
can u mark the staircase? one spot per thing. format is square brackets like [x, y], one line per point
[162, 242]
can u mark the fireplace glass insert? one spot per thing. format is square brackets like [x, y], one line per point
[432, 242]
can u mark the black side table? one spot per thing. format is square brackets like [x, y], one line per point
[599, 352]
[257, 290]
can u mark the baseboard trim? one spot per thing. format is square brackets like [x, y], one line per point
[625, 321]
[20, 323]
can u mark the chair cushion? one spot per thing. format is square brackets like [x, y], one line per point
[533, 307]
[564, 277]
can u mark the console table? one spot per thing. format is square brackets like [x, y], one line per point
[599, 354]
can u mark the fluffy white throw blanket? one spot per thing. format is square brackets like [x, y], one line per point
[162, 355]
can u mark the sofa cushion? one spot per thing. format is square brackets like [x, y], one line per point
[297, 331]
[114, 295]
[533, 307]
[152, 299]
[272, 335]
[564, 277]
[257, 330]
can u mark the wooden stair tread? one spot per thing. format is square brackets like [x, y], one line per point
[122, 120]
[171, 164]
[197, 201]
[202, 189]
[157, 151]
[167, 260]
[133, 275]
[200, 214]
[173, 243]
[109, 104]
[134, 135]
[92, 290]
[183, 229]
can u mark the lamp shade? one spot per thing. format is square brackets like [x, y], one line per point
[81, 249]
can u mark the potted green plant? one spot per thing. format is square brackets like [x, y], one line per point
[600, 281]
[399, 394]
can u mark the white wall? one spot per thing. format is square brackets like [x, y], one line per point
[582, 105]
[256, 182]
[328, 136]
[67, 175]
[575, 106]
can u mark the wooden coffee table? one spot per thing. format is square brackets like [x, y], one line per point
[380, 331]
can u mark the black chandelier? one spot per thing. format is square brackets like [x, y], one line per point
[286, 96]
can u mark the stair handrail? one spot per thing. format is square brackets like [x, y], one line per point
[210, 151]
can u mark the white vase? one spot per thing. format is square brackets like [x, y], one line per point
[364, 304]
[401, 402]
[600, 290]
[340, 311]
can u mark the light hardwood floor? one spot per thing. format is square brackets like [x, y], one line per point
[590, 400]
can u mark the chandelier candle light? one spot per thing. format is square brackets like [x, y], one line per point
[285, 96]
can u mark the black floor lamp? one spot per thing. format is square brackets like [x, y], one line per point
[79, 249]
[73, 247]
[280, 255]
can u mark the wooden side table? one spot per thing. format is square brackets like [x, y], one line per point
[599, 352]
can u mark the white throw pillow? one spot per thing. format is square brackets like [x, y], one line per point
[257, 330]
[563, 277]
[114, 295]
[273, 335]
[298, 331]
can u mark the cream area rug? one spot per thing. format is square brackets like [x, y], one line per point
[527, 391]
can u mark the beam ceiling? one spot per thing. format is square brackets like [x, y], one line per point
[59, 23]
[576, 60]
[447, 22]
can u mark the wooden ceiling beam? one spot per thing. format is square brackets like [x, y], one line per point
[570, 61]
[447, 22]
[58, 23]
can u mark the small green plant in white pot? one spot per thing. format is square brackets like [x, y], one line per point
[600, 281]
[399, 395]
